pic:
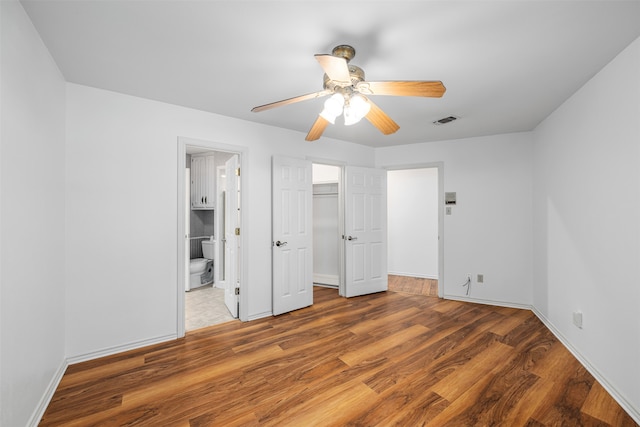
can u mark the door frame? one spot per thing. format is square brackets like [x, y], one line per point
[243, 260]
[440, 167]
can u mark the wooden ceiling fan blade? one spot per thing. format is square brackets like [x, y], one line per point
[316, 130]
[381, 120]
[432, 89]
[335, 67]
[291, 100]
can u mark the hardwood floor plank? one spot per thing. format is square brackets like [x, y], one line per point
[362, 354]
[392, 358]
[524, 407]
[437, 356]
[596, 405]
[453, 385]
[331, 408]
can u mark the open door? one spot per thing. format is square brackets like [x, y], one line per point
[365, 237]
[231, 232]
[292, 246]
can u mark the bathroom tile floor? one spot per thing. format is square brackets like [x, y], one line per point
[204, 306]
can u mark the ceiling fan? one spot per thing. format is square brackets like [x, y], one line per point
[350, 94]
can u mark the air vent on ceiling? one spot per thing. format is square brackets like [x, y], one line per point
[445, 120]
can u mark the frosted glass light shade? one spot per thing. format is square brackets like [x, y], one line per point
[332, 108]
[357, 108]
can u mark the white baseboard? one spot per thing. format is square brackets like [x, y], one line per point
[326, 279]
[48, 395]
[420, 276]
[322, 285]
[622, 400]
[260, 315]
[488, 302]
[119, 349]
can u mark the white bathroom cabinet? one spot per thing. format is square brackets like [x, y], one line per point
[203, 182]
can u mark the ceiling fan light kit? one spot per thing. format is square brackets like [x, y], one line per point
[349, 94]
[356, 107]
[333, 107]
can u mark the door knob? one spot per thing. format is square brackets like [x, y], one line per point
[279, 243]
[352, 238]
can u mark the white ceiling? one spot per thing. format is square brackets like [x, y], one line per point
[506, 64]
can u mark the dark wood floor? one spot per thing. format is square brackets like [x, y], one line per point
[386, 359]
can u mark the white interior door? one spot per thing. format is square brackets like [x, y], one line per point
[187, 228]
[292, 246]
[365, 237]
[221, 191]
[231, 224]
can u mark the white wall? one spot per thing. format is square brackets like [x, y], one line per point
[32, 283]
[412, 222]
[587, 222]
[325, 173]
[489, 231]
[122, 167]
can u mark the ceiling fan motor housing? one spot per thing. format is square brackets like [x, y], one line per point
[344, 51]
[356, 73]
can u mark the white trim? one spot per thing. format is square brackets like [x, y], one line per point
[322, 285]
[622, 400]
[243, 154]
[326, 279]
[260, 315]
[488, 302]
[37, 415]
[120, 349]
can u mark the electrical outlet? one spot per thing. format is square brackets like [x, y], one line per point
[577, 319]
[480, 278]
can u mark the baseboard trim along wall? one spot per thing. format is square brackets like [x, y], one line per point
[325, 279]
[48, 395]
[260, 315]
[488, 302]
[120, 349]
[633, 412]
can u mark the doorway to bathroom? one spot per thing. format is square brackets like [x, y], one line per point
[210, 248]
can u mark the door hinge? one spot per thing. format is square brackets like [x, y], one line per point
[237, 171]
[237, 291]
[237, 231]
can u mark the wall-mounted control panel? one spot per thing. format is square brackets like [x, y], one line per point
[450, 198]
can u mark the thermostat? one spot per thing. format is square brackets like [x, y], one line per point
[450, 198]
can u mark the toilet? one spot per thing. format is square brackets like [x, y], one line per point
[198, 266]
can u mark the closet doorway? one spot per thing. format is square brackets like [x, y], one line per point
[327, 230]
[351, 256]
